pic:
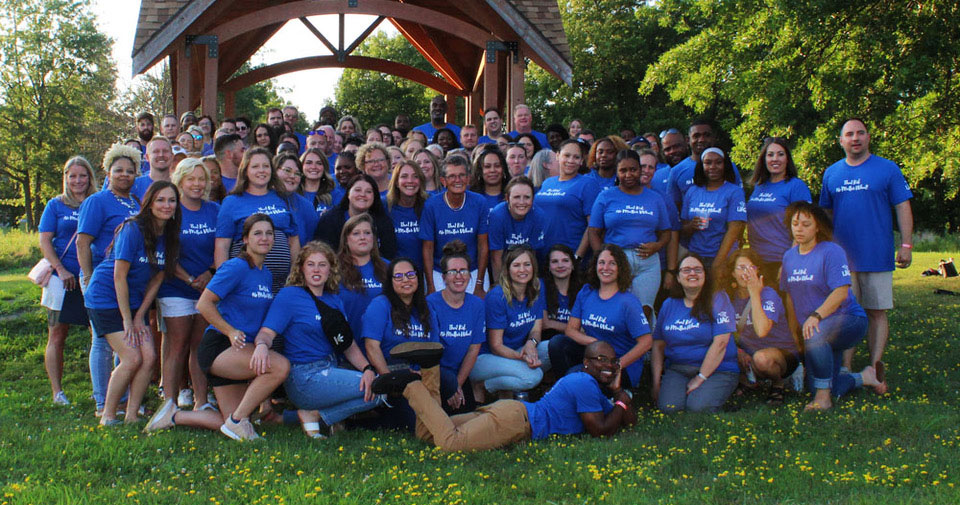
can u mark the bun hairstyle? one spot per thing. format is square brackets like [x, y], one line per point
[453, 249]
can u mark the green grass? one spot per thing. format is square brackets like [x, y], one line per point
[902, 448]
[18, 248]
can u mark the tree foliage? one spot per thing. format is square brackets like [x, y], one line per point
[55, 78]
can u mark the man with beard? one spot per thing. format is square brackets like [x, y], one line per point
[401, 123]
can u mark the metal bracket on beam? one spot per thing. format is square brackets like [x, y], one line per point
[211, 41]
[496, 45]
[352, 4]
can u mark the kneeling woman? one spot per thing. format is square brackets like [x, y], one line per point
[508, 360]
[123, 287]
[816, 279]
[309, 315]
[692, 339]
[607, 310]
[242, 372]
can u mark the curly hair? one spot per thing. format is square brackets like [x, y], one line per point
[624, 273]
[118, 151]
[296, 277]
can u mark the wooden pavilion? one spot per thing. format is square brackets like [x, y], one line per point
[478, 48]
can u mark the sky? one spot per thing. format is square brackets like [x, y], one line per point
[307, 89]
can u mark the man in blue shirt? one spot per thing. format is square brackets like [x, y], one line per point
[492, 124]
[229, 152]
[290, 116]
[523, 123]
[575, 404]
[858, 190]
[438, 119]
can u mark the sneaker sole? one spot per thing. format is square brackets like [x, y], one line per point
[155, 420]
[417, 352]
[229, 433]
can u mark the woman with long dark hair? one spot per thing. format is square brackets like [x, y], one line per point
[317, 183]
[265, 137]
[489, 176]
[123, 287]
[362, 270]
[361, 197]
[713, 211]
[289, 171]
[561, 281]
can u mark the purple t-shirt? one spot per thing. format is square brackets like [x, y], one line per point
[766, 209]
[779, 335]
[810, 278]
[689, 338]
[722, 205]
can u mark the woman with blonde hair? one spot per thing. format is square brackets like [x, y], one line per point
[61, 296]
[405, 200]
[373, 159]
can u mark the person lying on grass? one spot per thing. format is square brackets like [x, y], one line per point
[575, 404]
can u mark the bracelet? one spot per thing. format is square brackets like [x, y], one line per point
[369, 367]
[816, 315]
[534, 340]
[621, 405]
[262, 343]
[212, 270]
[907, 246]
[704, 377]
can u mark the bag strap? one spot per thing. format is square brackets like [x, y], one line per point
[65, 249]
[327, 313]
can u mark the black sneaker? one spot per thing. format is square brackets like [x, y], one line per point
[425, 354]
[393, 382]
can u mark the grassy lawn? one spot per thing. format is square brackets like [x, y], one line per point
[902, 448]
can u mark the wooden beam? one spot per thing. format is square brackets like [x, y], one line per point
[209, 97]
[361, 62]
[451, 108]
[340, 45]
[313, 29]
[418, 37]
[491, 84]
[532, 37]
[363, 36]
[515, 84]
[182, 85]
[159, 43]
[229, 103]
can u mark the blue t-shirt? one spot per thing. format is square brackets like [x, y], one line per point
[228, 183]
[306, 216]
[723, 205]
[319, 207]
[618, 321]
[128, 246]
[558, 412]
[861, 198]
[406, 226]
[661, 181]
[60, 219]
[294, 315]
[604, 183]
[504, 231]
[140, 186]
[541, 137]
[429, 130]
[332, 161]
[689, 338]
[810, 278]
[681, 177]
[458, 328]
[244, 293]
[197, 230]
[100, 214]
[516, 319]
[378, 325]
[766, 209]
[491, 201]
[779, 336]
[568, 203]
[356, 302]
[563, 306]
[629, 220]
[486, 140]
[235, 209]
[441, 224]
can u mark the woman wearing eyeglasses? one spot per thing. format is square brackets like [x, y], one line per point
[374, 160]
[776, 186]
[606, 310]
[459, 318]
[694, 363]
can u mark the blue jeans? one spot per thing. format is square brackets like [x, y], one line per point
[565, 354]
[646, 276]
[824, 352]
[709, 397]
[505, 374]
[101, 366]
[334, 392]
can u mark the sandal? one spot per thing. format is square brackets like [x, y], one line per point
[776, 395]
[313, 429]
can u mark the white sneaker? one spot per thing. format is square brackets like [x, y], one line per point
[242, 430]
[796, 380]
[185, 399]
[163, 419]
[61, 399]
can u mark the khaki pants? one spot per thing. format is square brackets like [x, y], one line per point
[496, 425]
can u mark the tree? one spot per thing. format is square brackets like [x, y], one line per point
[55, 78]
[253, 101]
[374, 97]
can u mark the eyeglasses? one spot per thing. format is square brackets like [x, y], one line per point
[376, 160]
[241, 128]
[668, 131]
[197, 137]
[315, 132]
[412, 274]
[745, 268]
[462, 271]
[691, 270]
[290, 171]
[603, 360]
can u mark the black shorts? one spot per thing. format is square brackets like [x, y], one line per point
[107, 321]
[71, 312]
[211, 346]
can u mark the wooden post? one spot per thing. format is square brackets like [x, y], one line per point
[515, 86]
[182, 86]
[209, 96]
[451, 108]
[491, 86]
[229, 103]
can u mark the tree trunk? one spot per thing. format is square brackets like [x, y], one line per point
[28, 204]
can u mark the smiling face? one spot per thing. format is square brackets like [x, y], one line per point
[438, 109]
[601, 363]
[347, 128]
[570, 159]
[289, 174]
[78, 180]
[701, 137]
[776, 160]
[164, 205]
[407, 181]
[186, 142]
[520, 201]
[259, 171]
[575, 128]
[713, 167]
[122, 174]
[648, 167]
[361, 197]
[804, 228]
[376, 164]
[159, 154]
[521, 272]
[312, 167]
[674, 148]
[456, 179]
[606, 154]
[446, 140]
[316, 270]
[492, 171]
[692, 274]
[194, 184]
[411, 152]
[560, 264]
[854, 138]
[628, 172]
[169, 127]
[522, 119]
[206, 125]
[404, 279]
[214, 173]
[607, 268]
[492, 122]
[360, 239]
[260, 239]
[344, 170]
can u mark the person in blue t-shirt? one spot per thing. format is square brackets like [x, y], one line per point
[568, 200]
[430, 167]
[289, 171]
[516, 221]
[177, 299]
[714, 213]
[606, 310]
[405, 200]
[859, 190]
[456, 214]
[100, 215]
[459, 319]
[577, 403]
[489, 176]
[636, 219]
[764, 340]
[523, 123]
[62, 296]
[561, 282]
[694, 361]
[776, 185]
[317, 184]
[602, 160]
[816, 278]
[362, 270]
[324, 393]
[509, 360]
[242, 371]
[122, 289]
[438, 115]
[701, 136]
[258, 190]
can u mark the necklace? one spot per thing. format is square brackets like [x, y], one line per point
[455, 209]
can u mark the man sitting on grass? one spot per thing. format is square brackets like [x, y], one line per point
[574, 404]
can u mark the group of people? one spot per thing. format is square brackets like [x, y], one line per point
[426, 272]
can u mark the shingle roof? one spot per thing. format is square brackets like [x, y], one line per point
[153, 15]
[544, 15]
